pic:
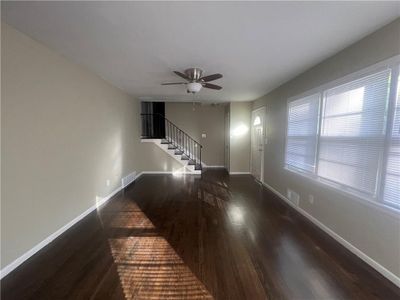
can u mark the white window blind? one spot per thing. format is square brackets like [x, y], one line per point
[353, 132]
[302, 133]
[391, 193]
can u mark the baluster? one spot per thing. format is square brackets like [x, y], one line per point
[146, 119]
[200, 159]
[168, 132]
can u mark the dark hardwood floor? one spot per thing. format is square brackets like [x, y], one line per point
[215, 237]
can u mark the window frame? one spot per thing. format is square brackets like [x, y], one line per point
[377, 199]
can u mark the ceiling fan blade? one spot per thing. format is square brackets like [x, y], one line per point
[172, 83]
[211, 77]
[182, 75]
[212, 86]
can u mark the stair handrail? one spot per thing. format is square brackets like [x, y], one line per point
[180, 146]
[160, 115]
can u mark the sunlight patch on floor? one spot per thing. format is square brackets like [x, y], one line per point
[132, 219]
[148, 267]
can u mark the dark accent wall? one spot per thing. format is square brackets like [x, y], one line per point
[153, 124]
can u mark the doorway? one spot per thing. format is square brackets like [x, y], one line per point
[257, 143]
[153, 120]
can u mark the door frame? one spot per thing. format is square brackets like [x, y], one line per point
[263, 111]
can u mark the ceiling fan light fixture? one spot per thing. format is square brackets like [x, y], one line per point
[194, 87]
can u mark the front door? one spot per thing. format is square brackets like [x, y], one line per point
[257, 143]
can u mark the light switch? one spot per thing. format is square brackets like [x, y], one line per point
[203, 135]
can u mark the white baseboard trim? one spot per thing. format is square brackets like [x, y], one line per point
[212, 167]
[167, 173]
[378, 267]
[155, 172]
[13, 265]
[239, 173]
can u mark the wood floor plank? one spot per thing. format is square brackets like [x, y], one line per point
[210, 237]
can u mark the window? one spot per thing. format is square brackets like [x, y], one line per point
[302, 133]
[391, 193]
[353, 141]
[352, 133]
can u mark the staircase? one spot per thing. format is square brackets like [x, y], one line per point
[173, 140]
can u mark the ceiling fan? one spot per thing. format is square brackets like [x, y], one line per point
[195, 81]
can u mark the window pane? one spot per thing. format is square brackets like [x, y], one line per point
[350, 163]
[391, 193]
[352, 132]
[302, 133]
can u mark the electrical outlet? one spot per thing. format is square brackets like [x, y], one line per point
[293, 197]
[311, 199]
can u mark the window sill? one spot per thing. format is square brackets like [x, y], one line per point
[390, 210]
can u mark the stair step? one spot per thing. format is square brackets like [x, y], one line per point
[165, 142]
[191, 162]
[171, 147]
[198, 167]
[178, 152]
[184, 157]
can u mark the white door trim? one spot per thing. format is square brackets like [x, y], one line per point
[263, 109]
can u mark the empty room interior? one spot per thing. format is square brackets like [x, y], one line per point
[200, 150]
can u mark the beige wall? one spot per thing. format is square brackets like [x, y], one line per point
[227, 141]
[197, 119]
[65, 132]
[240, 115]
[376, 232]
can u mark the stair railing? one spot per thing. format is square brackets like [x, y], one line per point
[156, 126]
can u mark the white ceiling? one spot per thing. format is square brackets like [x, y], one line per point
[256, 45]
